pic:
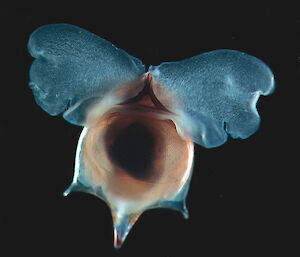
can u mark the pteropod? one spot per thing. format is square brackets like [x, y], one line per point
[136, 148]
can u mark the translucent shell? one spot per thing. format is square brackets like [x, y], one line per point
[136, 149]
[133, 158]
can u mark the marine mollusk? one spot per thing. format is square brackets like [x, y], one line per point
[136, 149]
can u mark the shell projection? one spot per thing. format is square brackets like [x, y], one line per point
[136, 149]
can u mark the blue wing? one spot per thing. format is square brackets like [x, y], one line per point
[216, 94]
[74, 68]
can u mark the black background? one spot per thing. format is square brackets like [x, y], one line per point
[239, 198]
